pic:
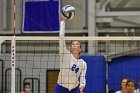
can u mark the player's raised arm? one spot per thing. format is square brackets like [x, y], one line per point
[62, 26]
[66, 13]
[62, 45]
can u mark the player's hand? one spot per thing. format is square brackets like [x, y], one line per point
[81, 87]
[62, 17]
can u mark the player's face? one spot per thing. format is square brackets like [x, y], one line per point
[123, 83]
[75, 47]
[131, 87]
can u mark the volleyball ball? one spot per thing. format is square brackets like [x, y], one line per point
[68, 12]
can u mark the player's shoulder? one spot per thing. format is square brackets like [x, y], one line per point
[137, 91]
[118, 91]
[83, 61]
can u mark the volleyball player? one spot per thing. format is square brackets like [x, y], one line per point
[73, 69]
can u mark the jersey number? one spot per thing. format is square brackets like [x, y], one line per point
[74, 68]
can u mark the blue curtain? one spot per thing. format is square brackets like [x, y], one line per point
[41, 16]
[96, 74]
[127, 66]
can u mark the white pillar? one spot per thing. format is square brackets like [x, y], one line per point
[91, 25]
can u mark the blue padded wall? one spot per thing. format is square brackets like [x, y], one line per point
[127, 66]
[96, 76]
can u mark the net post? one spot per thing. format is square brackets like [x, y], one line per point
[13, 44]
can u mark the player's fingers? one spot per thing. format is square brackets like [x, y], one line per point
[61, 16]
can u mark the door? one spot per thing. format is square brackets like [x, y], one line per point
[52, 76]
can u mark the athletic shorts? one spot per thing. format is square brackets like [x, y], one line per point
[61, 89]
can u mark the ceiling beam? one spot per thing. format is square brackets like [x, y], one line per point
[121, 13]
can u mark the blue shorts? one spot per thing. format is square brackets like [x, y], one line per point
[61, 89]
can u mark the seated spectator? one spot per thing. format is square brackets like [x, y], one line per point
[27, 87]
[131, 86]
[123, 86]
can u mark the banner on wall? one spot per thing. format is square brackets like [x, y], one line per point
[40, 16]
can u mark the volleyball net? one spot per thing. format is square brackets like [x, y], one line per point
[35, 60]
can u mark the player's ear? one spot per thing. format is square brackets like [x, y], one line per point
[80, 49]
